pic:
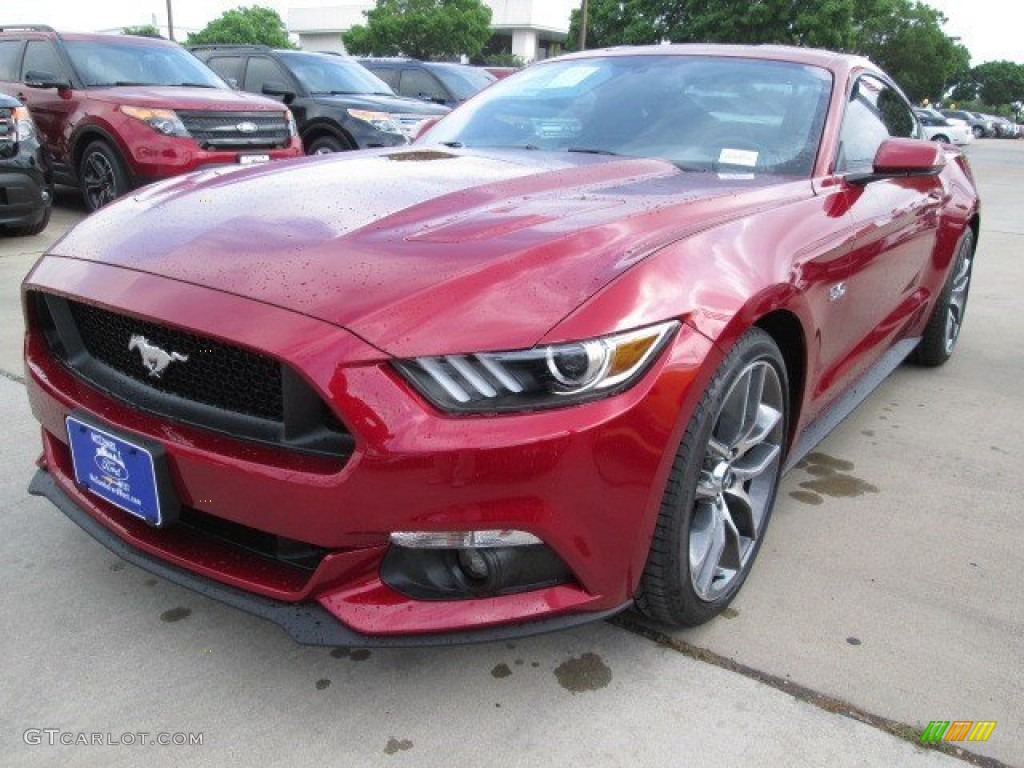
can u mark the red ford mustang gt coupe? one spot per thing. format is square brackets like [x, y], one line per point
[546, 363]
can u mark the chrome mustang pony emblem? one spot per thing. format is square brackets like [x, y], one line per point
[154, 359]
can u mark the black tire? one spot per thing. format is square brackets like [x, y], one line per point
[667, 590]
[326, 145]
[942, 138]
[947, 318]
[101, 175]
[31, 229]
[978, 131]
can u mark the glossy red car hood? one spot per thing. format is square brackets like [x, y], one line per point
[419, 251]
[161, 97]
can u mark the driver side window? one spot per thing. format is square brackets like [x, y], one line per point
[874, 112]
[40, 60]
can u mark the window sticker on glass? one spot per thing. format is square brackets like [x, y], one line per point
[745, 157]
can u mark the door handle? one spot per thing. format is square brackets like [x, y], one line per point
[21, 97]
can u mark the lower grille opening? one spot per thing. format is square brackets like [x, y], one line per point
[287, 551]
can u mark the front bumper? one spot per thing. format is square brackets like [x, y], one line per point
[25, 193]
[586, 480]
[306, 623]
[152, 158]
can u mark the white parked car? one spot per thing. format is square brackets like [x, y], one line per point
[940, 128]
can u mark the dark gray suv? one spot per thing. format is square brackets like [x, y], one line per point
[434, 81]
[26, 189]
[336, 103]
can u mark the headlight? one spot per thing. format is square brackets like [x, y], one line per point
[542, 377]
[293, 128]
[163, 121]
[24, 128]
[382, 121]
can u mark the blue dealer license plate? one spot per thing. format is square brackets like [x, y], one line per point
[115, 469]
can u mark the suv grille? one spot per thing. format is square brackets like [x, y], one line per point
[6, 133]
[209, 384]
[237, 130]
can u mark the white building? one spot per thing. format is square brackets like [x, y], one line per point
[527, 28]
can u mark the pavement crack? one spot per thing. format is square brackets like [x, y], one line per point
[12, 377]
[904, 731]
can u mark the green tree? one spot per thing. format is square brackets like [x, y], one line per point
[422, 29]
[143, 30]
[815, 23]
[1000, 82]
[906, 39]
[613, 22]
[254, 25]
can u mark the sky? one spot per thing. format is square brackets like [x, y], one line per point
[984, 26]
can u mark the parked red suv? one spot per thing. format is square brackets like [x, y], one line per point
[117, 112]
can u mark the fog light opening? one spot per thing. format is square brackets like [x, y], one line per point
[474, 565]
[470, 564]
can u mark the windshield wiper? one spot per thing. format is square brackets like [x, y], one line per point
[453, 144]
[592, 151]
[117, 83]
[194, 85]
[339, 93]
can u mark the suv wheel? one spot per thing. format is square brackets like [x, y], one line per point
[327, 145]
[978, 131]
[101, 175]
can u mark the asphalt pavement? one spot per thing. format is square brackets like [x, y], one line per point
[889, 593]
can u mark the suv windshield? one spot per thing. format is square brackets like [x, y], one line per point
[698, 112]
[462, 81]
[324, 73]
[115, 62]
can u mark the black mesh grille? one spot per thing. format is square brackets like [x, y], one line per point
[6, 133]
[237, 130]
[215, 374]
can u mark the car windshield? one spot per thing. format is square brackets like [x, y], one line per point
[701, 113]
[463, 81]
[123, 62]
[325, 73]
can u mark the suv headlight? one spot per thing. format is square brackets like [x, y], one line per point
[164, 121]
[382, 121]
[24, 128]
[543, 377]
[293, 128]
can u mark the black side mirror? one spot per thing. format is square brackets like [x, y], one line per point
[273, 88]
[35, 78]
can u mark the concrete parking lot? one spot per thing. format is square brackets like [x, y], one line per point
[889, 593]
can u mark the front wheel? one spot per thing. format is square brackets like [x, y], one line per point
[101, 175]
[721, 490]
[326, 145]
[947, 318]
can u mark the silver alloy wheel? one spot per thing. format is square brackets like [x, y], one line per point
[958, 296]
[99, 180]
[737, 480]
[323, 150]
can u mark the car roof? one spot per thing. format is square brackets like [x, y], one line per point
[41, 33]
[836, 62]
